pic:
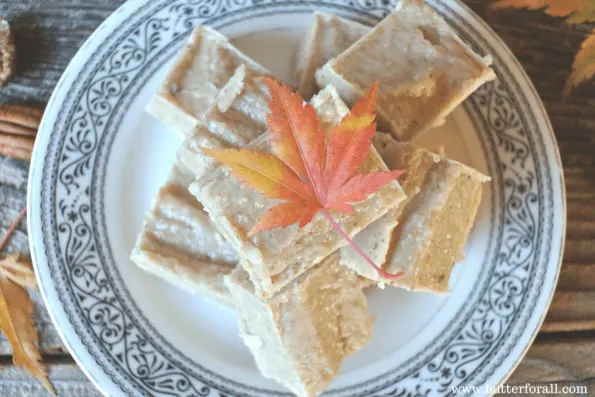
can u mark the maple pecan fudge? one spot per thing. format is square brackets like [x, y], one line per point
[179, 244]
[423, 68]
[442, 200]
[328, 36]
[236, 118]
[301, 336]
[275, 257]
[205, 64]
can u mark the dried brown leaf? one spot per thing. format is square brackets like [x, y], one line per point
[583, 68]
[584, 14]
[16, 323]
[578, 11]
[16, 309]
[18, 270]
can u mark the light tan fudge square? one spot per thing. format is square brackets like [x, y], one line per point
[442, 201]
[236, 118]
[301, 336]
[179, 244]
[328, 35]
[235, 209]
[203, 66]
[423, 68]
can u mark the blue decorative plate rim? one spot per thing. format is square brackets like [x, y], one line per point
[79, 258]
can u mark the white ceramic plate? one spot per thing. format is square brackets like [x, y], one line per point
[99, 158]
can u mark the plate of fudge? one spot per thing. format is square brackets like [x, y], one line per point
[142, 242]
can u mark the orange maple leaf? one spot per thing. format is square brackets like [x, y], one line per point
[313, 170]
[578, 10]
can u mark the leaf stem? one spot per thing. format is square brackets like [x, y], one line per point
[12, 228]
[380, 271]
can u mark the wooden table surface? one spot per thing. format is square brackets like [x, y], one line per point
[49, 32]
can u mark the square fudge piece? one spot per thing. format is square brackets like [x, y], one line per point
[442, 200]
[179, 244]
[423, 68]
[204, 65]
[301, 336]
[276, 256]
[327, 37]
[236, 118]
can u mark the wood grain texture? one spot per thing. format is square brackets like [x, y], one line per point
[49, 32]
[566, 361]
[67, 379]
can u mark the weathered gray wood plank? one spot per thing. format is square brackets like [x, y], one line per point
[67, 379]
[47, 34]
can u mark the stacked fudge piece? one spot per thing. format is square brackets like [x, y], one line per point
[179, 243]
[299, 293]
[203, 67]
[422, 67]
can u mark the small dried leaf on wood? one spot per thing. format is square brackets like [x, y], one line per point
[16, 309]
[16, 323]
[583, 68]
[18, 270]
[578, 10]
